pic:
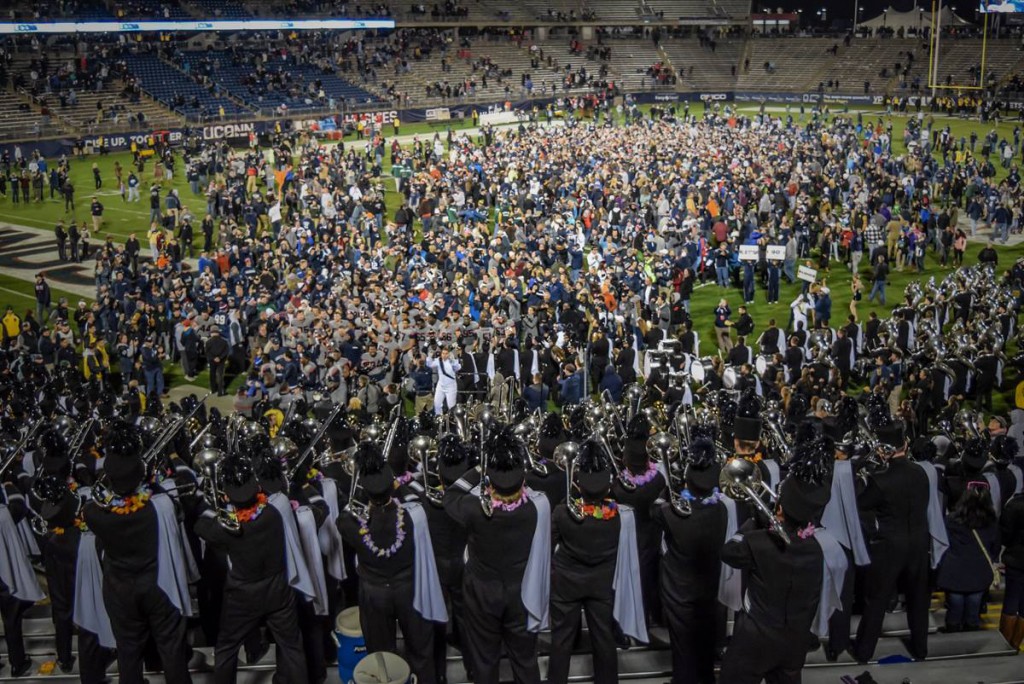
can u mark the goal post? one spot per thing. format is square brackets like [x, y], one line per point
[935, 53]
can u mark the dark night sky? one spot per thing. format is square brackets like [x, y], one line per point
[843, 11]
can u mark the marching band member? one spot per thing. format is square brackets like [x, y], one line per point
[145, 582]
[261, 568]
[898, 497]
[691, 567]
[791, 588]
[19, 588]
[398, 581]
[640, 485]
[447, 389]
[506, 584]
[595, 569]
[842, 520]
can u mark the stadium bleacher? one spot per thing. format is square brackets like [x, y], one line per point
[178, 91]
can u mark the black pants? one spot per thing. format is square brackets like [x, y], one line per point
[451, 575]
[60, 584]
[217, 376]
[139, 609]
[767, 653]
[93, 659]
[12, 610]
[496, 617]
[570, 596]
[62, 250]
[248, 605]
[381, 608]
[693, 635]
[839, 623]
[905, 569]
[312, 628]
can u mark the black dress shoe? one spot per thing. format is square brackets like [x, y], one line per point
[23, 669]
[66, 666]
[831, 655]
[257, 655]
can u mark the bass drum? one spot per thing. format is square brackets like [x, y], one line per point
[700, 369]
[761, 364]
[729, 378]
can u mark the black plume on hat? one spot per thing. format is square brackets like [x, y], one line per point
[593, 472]
[798, 407]
[52, 443]
[552, 425]
[806, 432]
[122, 439]
[813, 462]
[847, 413]
[50, 488]
[923, 449]
[591, 458]
[426, 421]
[451, 450]
[878, 412]
[239, 480]
[1003, 449]
[702, 453]
[702, 431]
[749, 406]
[369, 459]
[974, 455]
[506, 460]
[639, 427]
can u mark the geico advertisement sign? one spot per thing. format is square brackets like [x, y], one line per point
[713, 97]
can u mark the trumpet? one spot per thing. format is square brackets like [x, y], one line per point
[741, 480]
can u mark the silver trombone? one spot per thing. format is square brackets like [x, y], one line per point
[741, 480]
[662, 444]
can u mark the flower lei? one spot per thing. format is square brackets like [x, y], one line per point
[132, 503]
[78, 523]
[606, 511]
[713, 498]
[508, 503]
[250, 513]
[364, 533]
[641, 480]
[806, 532]
[405, 478]
[314, 475]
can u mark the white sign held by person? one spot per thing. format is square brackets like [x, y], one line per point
[776, 253]
[749, 253]
[807, 274]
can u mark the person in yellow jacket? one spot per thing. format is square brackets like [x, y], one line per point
[11, 326]
[95, 361]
